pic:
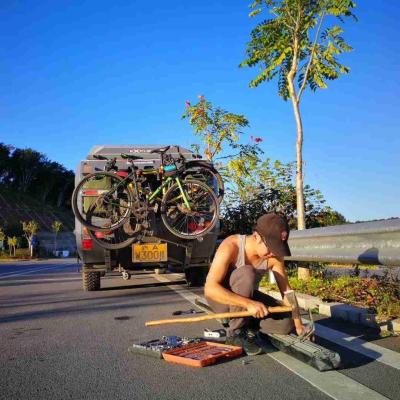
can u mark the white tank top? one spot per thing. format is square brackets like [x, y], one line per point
[261, 268]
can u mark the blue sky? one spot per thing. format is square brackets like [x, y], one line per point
[78, 73]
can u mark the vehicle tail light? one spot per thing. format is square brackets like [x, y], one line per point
[90, 192]
[87, 244]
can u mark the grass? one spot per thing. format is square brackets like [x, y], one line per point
[378, 294]
[350, 266]
[19, 254]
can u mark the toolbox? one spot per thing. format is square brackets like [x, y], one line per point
[156, 347]
[201, 354]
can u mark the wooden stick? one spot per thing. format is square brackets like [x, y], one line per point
[236, 314]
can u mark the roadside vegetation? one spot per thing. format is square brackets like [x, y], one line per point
[255, 184]
[379, 294]
[14, 247]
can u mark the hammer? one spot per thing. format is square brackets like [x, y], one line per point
[236, 314]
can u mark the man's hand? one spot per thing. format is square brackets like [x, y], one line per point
[257, 309]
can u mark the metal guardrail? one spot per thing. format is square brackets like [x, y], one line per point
[376, 243]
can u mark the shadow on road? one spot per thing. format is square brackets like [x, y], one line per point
[143, 285]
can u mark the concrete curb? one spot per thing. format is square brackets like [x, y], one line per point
[345, 312]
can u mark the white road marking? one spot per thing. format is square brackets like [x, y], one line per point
[370, 350]
[42, 280]
[332, 383]
[25, 272]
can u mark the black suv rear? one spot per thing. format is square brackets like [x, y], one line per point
[190, 256]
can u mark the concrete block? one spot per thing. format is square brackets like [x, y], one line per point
[395, 324]
[341, 311]
[308, 302]
[326, 308]
[386, 326]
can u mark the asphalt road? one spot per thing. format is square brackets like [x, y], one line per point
[58, 342]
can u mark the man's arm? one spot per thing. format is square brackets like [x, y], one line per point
[214, 290]
[282, 281]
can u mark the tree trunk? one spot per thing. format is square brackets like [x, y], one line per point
[299, 168]
[302, 272]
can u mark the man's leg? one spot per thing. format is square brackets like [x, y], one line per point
[241, 282]
[280, 323]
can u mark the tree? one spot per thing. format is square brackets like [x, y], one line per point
[12, 243]
[56, 226]
[269, 187]
[5, 151]
[293, 44]
[25, 164]
[214, 125]
[30, 229]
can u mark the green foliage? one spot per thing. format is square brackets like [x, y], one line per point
[215, 126]
[12, 244]
[293, 42]
[12, 241]
[379, 294]
[269, 186]
[30, 228]
[19, 254]
[253, 186]
[56, 226]
[29, 172]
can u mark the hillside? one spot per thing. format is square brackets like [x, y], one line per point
[15, 207]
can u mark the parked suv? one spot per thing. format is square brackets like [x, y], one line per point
[162, 250]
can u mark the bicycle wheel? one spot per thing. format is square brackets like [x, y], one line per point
[200, 171]
[117, 239]
[190, 223]
[112, 199]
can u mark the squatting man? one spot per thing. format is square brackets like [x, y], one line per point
[234, 276]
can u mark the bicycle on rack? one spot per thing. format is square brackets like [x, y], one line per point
[115, 209]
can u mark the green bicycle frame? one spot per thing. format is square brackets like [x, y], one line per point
[164, 184]
[132, 178]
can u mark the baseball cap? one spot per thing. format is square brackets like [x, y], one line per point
[274, 229]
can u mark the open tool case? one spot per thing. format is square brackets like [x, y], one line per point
[194, 352]
[201, 354]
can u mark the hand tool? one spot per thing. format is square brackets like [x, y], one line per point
[191, 311]
[236, 314]
[309, 330]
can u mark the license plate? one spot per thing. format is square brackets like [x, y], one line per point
[149, 252]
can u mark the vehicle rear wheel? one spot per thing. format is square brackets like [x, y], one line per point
[90, 281]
